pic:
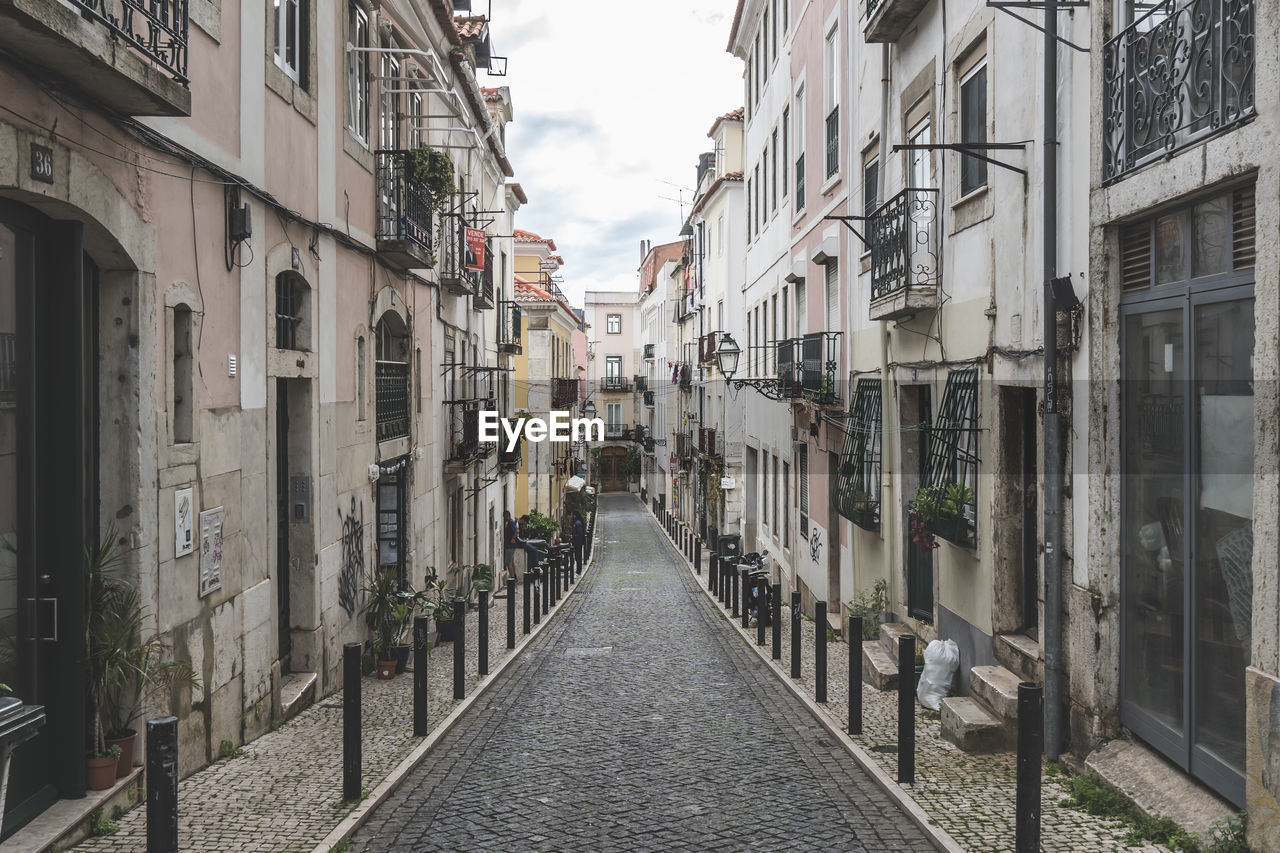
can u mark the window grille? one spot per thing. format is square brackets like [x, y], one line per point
[953, 449]
[802, 468]
[857, 483]
[288, 311]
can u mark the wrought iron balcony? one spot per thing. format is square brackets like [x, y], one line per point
[451, 263]
[788, 360]
[127, 54]
[509, 327]
[617, 432]
[509, 460]
[616, 384]
[905, 272]
[649, 399]
[564, 393]
[464, 432]
[684, 446]
[820, 375]
[642, 383]
[1180, 73]
[485, 288]
[648, 351]
[686, 376]
[403, 226]
[887, 20]
[392, 400]
[833, 141]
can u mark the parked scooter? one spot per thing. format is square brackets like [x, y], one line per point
[757, 585]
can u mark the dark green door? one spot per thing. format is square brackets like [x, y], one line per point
[47, 420]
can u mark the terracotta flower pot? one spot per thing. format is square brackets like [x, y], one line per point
[126, 744]
[102, 772]
[386, 669]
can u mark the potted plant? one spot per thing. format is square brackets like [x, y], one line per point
[103, 766]
[482, 577]
[865, 510]
[126, 663]
[383, 614]
[871, 605]
[443, 612]
[949, 520]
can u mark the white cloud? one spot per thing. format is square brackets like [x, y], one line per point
[611, 99]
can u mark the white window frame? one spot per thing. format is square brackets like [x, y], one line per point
[358, 72]
[294, 72]
[609, 324]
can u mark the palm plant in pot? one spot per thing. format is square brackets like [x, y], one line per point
[384, 616]
[441, 605]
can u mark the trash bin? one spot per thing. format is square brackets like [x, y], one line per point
[730, 547]
[19, 723]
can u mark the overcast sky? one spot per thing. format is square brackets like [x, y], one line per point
[610, 100]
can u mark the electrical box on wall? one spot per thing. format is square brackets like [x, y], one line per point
[240, 226]
[300, 499]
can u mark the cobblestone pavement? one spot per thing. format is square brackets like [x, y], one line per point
[970, 796]
[284, 791]
[637, 722]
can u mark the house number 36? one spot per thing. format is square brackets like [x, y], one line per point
[42, 164]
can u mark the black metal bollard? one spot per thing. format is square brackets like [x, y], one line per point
[795, 634]
[162, 783]
[855, 675]
[820, 651]
[554, 568]
[906, 709]
[511, 613]
[352, 760]
[482, 664]
[421, 649]
[746, 582]
[777, 621]
[697, 556]
[537, 596]
[528, 609]
[546, 589]
[712, 573]
[762, 609]
[459, 648]
[1030, 747]
[733, 591]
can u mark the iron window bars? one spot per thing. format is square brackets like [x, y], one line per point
[464, 431]
[289, 295]
[392, 396]
[833, 141]
[157, 29]
[648, 351]
[484, 293]
[820, 367]
[509, 331]
[856, 489]
[404, 204]
[454, 275]
[903, 233]
[953, 455]
[564, 393]
[1181, 72]
[649, 399]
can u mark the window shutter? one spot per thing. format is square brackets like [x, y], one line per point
[802, 462]
[833, 295]
[1135, 256]
[1243, 228]
[802, 308]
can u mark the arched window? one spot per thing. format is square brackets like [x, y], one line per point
[182, 406]
[392, 377]
[293, 312]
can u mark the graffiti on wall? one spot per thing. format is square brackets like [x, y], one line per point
[815, 544]
[352, 569]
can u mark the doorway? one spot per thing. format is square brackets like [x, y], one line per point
[916, 414]
[833, 538]
[1016, 512]
[613, 476]
[295, 547]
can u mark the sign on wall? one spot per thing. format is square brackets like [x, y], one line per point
[210, 550]
[475, 248]
[183, 522]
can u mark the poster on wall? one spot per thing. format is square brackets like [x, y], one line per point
[475, 248]
[183, 522]
[210, 550]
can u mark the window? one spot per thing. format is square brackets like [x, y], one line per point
[802, 308]
[832, 283]
[802, 470]
[613, 414]
[973, 127]
[920, 160]
[786, 312]
[614, 324]
[292, 296]
[292, 28]
[952, 466]
[759, 62]
[417, 119]
[183, 403]
[786, 505]
[799, 136]
[358, 73]
[775, 491]
[764, 490]
[389, 108]
[720, 236]
[613, 367]
[749, 210]
[456, 519]
[720, 314]
[773, 185]
[759, 208]
[391, 524]
[786, 152]
[786, 14]
[764, 35]
[361, 369]
[764, 188]
[747, 99]
[831, 99]
[857, 482]
[871, 186]
[773, 42]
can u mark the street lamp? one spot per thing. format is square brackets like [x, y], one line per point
[589, 409]
[727, 354]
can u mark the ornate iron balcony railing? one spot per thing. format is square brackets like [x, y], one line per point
[404, 204]
[158, 29]
[1181, 72]
[564, 393]
[615, 384]
[464, 431]
[617, 432]
[820, 373]
[509, 331]
[392, 400]
[648, 350]
[904, 242]
[649, 399]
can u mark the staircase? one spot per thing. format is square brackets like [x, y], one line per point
[987, 719]
[880, 656]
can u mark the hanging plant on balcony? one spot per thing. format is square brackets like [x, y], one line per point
[434, 170]
[940, 510]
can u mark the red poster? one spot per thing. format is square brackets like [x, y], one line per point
[475, 248]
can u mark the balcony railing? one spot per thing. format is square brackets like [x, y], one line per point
[509, 327]
[820, 374]
[904, 254]
[509, 460]
[484, 291]
[642, 383]
[452, 260]
[684, 445]
[649, 399]
[617, 432]
[833, 141]
[564, 393]
[616, 384]
[788, 368]
[1180, 73]
[648, 351]
[403, 226]
[800, 182]
[392, 400]
[464, 432]
[887, 20]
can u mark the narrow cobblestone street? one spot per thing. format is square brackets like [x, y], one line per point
[636, 723]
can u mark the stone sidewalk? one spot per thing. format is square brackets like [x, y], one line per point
[284, 790]
[969, 796]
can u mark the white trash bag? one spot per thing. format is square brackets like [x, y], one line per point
[941, 660]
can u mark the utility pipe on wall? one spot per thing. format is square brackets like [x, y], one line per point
[888, 499]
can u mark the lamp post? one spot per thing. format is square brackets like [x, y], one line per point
[727, 354]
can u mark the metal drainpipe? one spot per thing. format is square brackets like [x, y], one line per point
[888, 521]
[1052, 423]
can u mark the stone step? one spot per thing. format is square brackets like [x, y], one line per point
[889, 634]
[297, 691]
[997, 689]
[972, 728]
[878, 669]
[1021, 655]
